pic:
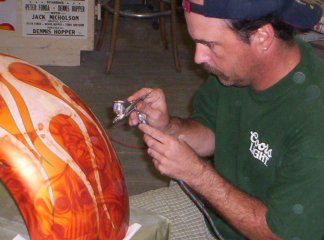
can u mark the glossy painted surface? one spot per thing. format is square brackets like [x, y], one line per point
[56, 159]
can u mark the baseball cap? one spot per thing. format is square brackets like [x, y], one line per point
[293, 12]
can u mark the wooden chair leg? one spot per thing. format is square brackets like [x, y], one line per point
[103, 29]
[162, 26]
[173, 36]
[114, 34]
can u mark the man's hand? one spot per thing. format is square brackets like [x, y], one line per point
[200, 138]
[153, 106]
[171, 156]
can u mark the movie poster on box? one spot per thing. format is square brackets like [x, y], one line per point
[8, 15]
[55, 18]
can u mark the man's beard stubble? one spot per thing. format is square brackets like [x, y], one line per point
[221, 76]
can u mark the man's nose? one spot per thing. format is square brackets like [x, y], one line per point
[201, 54]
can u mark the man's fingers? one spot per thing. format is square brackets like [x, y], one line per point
[154, 133]
[156, 159]
[140, 93]
[133, 119]
[154, 154]
[154, 144]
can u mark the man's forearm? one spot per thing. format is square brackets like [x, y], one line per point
[197, 136]
[242, 211]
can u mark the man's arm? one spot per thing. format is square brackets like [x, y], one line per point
[175, 158]
[200, 138]
[242, 211]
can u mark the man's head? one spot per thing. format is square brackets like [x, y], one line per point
[233, 36]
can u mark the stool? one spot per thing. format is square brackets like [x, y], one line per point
[117, 12]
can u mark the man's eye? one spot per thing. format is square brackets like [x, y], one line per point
[210, 45]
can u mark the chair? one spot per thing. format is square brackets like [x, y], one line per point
[115, 9]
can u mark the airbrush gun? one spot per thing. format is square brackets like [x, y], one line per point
[123, 108]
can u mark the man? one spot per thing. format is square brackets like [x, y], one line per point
[260, 114]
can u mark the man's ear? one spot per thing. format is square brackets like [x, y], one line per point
[262, 38]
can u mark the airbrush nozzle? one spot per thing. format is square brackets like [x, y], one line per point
[122, 111]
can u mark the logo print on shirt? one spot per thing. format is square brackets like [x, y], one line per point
[260, 151]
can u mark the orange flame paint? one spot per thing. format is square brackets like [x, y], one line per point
[56, 159]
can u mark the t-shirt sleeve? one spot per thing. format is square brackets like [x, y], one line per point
[296, 200]
[205, 103]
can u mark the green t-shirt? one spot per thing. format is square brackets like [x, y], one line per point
[270, 144]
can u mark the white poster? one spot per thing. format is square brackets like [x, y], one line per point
[55, 18]
[8, 15]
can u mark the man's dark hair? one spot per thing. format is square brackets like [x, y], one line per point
[245, 28]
